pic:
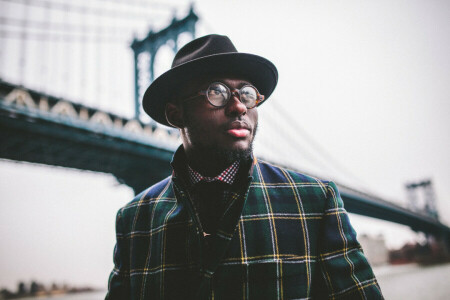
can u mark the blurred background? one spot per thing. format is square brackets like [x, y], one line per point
[362, 100]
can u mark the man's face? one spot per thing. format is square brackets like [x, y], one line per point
[228, 130]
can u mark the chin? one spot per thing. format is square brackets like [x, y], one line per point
[240, 151]
[239, 146]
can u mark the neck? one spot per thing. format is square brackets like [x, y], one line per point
[211, 161]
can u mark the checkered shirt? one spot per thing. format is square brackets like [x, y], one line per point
[210, 197]
[227, 176]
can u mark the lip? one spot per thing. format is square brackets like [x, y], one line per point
[238, 125]
[238, 129]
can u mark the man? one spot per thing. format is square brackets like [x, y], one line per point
[226, 225]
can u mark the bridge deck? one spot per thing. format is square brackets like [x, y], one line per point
[75, 138]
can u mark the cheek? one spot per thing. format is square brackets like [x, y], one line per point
[202, 125]
[210, 119]
[253, 117]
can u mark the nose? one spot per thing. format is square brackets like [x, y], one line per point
[234, 106]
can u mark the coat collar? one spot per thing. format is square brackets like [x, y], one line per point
[179, 170]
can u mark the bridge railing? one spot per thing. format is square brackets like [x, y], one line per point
[17, 98]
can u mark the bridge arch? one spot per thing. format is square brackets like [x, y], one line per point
[152, 44]
[164, 57]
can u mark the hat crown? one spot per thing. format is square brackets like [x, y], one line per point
[208, 56]
[205, 46]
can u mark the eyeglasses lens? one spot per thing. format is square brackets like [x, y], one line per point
[218, 94]
[248, 96]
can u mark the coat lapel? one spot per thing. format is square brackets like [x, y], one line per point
[220, 242]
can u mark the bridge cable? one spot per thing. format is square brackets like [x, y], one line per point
[141, 4]
[287, 117]
[110, 13]
[8, 34]
[44, 49]
[3, 46]
[58, 26]
[296, 146]
[65, 53]
[83, 58]
[99, 62]
[23, 46]
[290, 141]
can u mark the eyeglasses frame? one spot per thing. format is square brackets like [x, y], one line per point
[259, 97]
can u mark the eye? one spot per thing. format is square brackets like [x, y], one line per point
[218, 94]
[249, 95]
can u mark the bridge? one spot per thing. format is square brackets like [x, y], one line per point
[38, 127]
[62, 133]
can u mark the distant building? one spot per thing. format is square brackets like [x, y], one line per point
[375, 249]
[431, 252]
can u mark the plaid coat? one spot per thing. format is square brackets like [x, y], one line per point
[287, 236]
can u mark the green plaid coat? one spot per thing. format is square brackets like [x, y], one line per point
[287, 236]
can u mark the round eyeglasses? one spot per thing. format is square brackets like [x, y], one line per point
[218, 94]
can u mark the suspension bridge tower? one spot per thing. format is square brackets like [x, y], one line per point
[145, 51]
[428, 197]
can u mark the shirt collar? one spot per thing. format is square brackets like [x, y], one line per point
[180, 171]
[228, 175]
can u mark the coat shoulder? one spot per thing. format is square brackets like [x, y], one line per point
[157, 192]
[274, 173]
[288, 185]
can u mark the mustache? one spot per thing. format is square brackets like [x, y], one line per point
[236, 124]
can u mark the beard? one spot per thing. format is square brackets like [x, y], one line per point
[209, 155]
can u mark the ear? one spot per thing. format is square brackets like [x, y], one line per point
[174, 115]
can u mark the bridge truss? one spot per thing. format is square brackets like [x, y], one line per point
[61, 133]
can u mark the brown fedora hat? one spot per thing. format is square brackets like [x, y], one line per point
[209, 55]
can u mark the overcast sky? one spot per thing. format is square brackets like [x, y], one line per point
[369, 81]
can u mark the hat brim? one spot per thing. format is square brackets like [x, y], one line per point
[259, 71]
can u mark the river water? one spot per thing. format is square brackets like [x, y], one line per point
[410, 282]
